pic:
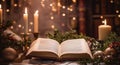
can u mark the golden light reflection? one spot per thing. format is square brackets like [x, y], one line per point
[111, 1]
[119, 15]
[19, 25]
[42, 3]
[30, 30]
[63, 7]
[14, 22]
[101, 17]
[31, 23]
[74, 1]
[117, 11]
[63, 14]
[3, 0]
[11, 27]
[7, 10]
[51, 17]
[51, 4]
[59, 5]
[52, 26]
[74, 18]
[54, 9]
[15, 5]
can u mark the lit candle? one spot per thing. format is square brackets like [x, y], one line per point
[1, 13]
[36, 22]
[25, 17]
[104, 30]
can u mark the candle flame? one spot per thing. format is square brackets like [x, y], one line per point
[59, 5]
[74, 1]
[36, 12]
[104, 22]
[26, 10]
[0, 6]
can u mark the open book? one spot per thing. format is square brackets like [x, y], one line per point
[68, 50]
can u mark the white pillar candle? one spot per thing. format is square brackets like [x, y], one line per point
[25, 17]
[36, 22]
[0, 13]
[103, 30]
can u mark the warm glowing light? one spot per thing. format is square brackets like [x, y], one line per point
[74, 18]
[1, 12]
[111, 1]
[104, 22]
[11, 27]
[19, 26]
[63, 7]
[51, 5]
[74, 1]
[3, 0]
[117, 11]
[119, 15]
[52, 26]
[31, 23]
[101, 17]
[70, 9]
[63, 14]
[36, 17]
[54, 9]
[25, 10]
[14, 22]
[25, 18]
[30, 30]
[15, 5]
[0, 6]
[42, 3]
[7, 10]
[51, 17]
[59, 4]
[43, 0]
[36, 12]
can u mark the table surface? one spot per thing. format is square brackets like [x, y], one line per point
[48, 62]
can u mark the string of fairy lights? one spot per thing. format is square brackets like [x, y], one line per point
[64, 15]
[61, 14]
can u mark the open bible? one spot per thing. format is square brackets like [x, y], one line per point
[72, 49]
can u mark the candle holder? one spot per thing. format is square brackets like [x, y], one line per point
[35, 35]
[101, 43]
[25, 41]
[25, 36]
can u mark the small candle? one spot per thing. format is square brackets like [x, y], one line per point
[36, 22]
[0, 13]
[25, 17]
[104, 30]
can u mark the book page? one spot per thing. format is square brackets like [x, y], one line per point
[75, 46]
[32, 44]
[44, 45]
[33, 47]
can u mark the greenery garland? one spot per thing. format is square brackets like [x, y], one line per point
[60, 37]
[93, 44]
[112, 38]
[112, 41]
[7, 41]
